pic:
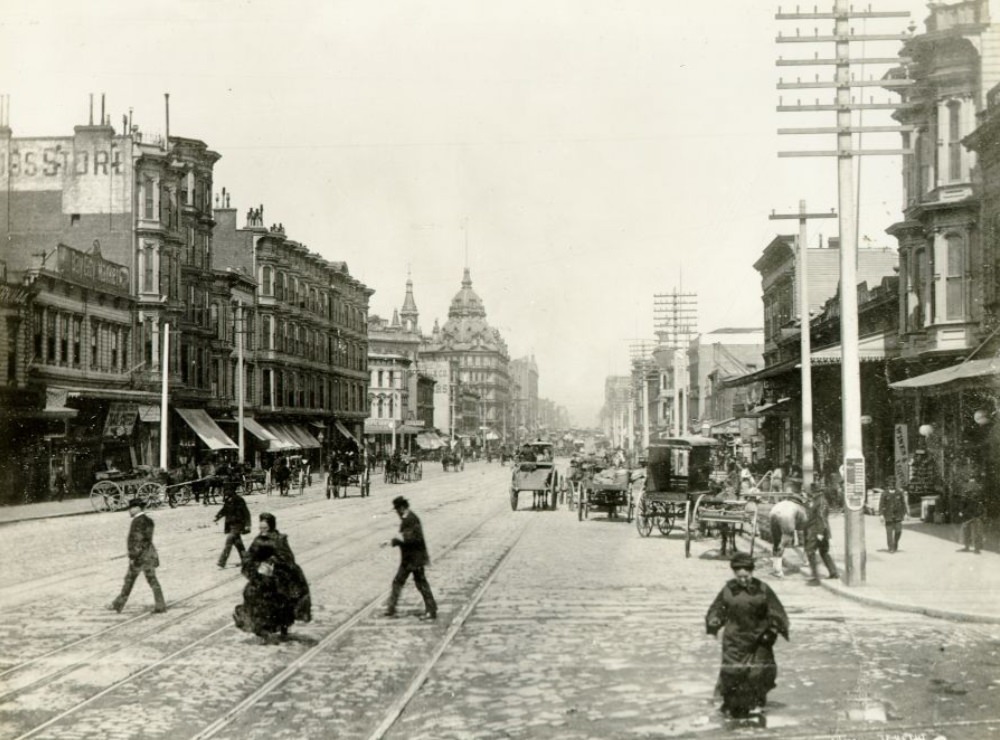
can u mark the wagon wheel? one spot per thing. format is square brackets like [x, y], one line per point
[585, 500]
[151, 493]
[513, 499]
[554, 491]
[629, 509]
[665, 522]
[182, 495]
[104, 495]
[644, 518]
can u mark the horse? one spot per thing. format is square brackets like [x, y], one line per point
[785, 518]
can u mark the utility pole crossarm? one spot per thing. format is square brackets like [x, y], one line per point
[832, 16]
[848, 130]
[820, 107]
[834, 62]
[817, 39]
[831, 84]
[843, 152]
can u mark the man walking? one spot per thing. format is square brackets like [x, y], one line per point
[236, 522]
[818, 534]
[413, 559]
[892, 509]
[972, 512]
[142, 558]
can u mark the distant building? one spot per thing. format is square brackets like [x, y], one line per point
[524, 382]
[479, 359]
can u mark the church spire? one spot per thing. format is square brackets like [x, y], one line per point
[409, 313]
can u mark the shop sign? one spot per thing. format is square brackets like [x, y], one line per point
[854, 483]
[379, 425]
[120, 420]
[92, 269]
[902, 450]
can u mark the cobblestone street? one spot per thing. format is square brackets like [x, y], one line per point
[548, 627]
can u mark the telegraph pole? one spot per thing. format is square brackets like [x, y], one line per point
[844, 105]
[805, 350]
[676, 317]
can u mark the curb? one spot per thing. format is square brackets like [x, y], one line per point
[911, 608]
[4, 522]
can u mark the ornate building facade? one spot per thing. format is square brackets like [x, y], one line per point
[478, 355]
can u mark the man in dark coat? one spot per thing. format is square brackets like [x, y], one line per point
[892, 509]
[236, 522]
[753, 617]
[817, 531]
[142, 558]
[413, 559]
[971, 502]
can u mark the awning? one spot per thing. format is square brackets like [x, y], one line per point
[303, 437]
[121, 419]
[346, 432]
[206, 428]
[770, 408]
[258, 431]
[968, 370]
[426, 442]
[726, 426]
[55, 405]
[282, 438]
[870, 349]
[410, 429]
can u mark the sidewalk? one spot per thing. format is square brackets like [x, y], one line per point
[928, 575]
[45, 510]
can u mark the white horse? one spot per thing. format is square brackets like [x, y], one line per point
[785, 518]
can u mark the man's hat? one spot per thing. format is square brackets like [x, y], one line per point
[137, 502]
[741, 560]
[400, 503]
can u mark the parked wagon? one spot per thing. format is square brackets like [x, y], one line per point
[682, 490]
[535, 471]
[114, 489]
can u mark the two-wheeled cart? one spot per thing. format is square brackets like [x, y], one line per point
[716, 516]
[536, 472]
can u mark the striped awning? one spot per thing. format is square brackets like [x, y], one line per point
[205, 427]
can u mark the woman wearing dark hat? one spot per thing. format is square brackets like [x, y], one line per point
[753, 617]
[277, 593]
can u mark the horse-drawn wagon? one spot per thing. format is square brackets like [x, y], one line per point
[114, 489]
[452, 460]
[346, 475]
[535, 471]
[681, 485]
[606, 489]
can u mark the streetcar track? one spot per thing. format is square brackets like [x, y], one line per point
[195, 614]
[330, 639]
[339, 631]
[400, 704]
[313, 556]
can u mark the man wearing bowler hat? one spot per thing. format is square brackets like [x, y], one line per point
[413, 559]
[142, 558]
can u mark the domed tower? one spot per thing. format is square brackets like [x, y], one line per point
[476, 360]
[409, 313]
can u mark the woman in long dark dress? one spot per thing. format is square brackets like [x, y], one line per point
[753, 617]
[277, 593]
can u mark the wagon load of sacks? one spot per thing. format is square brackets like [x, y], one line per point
[612, 477]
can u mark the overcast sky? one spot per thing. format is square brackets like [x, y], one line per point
[579, 155]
